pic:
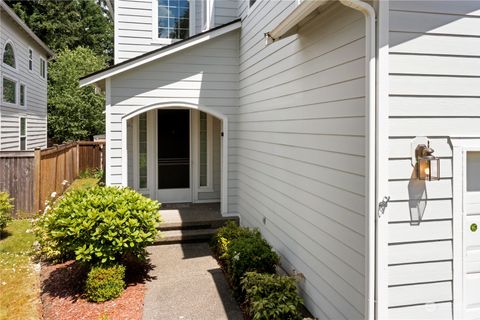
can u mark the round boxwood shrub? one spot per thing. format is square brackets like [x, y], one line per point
[6, 208]
[226, 234]
[101, 225]
[250, 253]
[105, 283]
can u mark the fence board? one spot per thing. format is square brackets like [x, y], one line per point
[31, 177]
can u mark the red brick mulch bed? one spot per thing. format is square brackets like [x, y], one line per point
[62, 296]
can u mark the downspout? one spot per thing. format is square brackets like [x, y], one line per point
[370, 94]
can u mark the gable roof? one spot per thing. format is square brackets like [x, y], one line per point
[4, 7]
[160, 53]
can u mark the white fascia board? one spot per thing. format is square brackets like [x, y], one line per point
[24, 26]
[162, 53]
[289, 25]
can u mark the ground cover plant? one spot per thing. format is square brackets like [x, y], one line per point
[6, 208]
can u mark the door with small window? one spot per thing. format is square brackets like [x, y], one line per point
[471, 234]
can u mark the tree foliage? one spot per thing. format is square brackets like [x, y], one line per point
[74, 113]
[69, 24]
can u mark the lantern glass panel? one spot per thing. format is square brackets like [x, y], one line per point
[434, 169]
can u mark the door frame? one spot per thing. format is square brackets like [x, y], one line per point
[460, 148]
[124, 146]
[154, 147]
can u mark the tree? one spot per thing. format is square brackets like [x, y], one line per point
[69, 24]
[74, 113]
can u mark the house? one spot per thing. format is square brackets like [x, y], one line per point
[314, 121]
[23, 77]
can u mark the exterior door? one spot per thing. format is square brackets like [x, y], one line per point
[471, 235]
[173, 156]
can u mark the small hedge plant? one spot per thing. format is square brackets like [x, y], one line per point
[270, 296]
[99, 225]
[249, 253]
[105, 283]
[6, 208]
[226, 234]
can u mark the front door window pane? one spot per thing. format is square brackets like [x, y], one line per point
[142, 152]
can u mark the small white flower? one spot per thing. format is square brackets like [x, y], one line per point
[236, 257]
[64, 182]
[53, 195]
[28, 231]
[4, 283]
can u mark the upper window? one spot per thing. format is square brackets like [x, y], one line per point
[173, 19]
[9, 55]
[43, 68]
[30, 59]
[9, 91]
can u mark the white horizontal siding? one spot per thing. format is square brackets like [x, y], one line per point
[196, 76]
[434, 68]
[35, 110]
[299, 150]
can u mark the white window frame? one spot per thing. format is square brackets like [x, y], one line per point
[14, 54]
[43, 62]
[207, 9]
[165, 41]
[251, 8]
[20, 95]
[20, 136]
[16, 92]
[30, 59]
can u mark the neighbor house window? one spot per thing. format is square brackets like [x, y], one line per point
[23, 133]
[173, 19]
[9, 55]
[30, 59]
[43, 68]
[9, 91]
[142, 150]
[23, 95]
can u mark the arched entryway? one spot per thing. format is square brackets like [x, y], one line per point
[176, 153]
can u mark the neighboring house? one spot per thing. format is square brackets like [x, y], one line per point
[309, 134]
[23, 78]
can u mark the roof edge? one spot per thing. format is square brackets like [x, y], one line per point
[160, 52]
[24, 26]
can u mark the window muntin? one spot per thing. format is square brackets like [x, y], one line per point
[9, 92]
[43, 68]
[30, 59]
[9, 55]
[142, 151]
[173, 19]
[23, 133]
[23, 95]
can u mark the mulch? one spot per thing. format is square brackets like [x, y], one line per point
[62, 299]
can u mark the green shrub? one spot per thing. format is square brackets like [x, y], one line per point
[270, 296]
[105, 283]
[100, 224]
[250, 253]
[224, 236]
[6, 208]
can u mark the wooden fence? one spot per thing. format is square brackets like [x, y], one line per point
[31, 176]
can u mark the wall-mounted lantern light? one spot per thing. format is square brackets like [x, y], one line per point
[428, 166]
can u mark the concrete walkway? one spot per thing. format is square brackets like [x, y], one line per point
[187, 284]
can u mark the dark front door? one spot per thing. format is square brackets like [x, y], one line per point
[173, 149]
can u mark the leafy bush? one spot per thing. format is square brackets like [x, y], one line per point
[270, 296]
[6, 208]
[225, 235]
[100, 224]
[250, 253]
[105, 283]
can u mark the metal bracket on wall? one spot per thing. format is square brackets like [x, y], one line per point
[382, 205]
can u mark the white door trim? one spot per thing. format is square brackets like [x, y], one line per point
[224, 143]
[460, 147]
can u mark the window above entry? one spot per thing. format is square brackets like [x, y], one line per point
[173, 20]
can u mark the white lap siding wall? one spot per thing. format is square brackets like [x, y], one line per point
[35, 110]
[205, 74]
[434, 89]
[300, 150]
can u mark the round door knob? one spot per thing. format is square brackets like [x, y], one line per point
[473, 227]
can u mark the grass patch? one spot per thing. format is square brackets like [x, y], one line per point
[19, 282]
[83, 183]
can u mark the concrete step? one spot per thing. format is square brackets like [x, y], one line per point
[196, 224]
[182, 236]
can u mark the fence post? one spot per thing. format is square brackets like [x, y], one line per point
[37, 180]
[77, 160]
